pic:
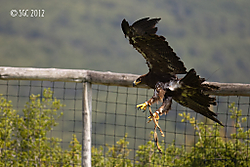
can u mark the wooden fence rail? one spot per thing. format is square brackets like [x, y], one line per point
[104, 78]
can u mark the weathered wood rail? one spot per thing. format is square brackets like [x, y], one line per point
[104, 78]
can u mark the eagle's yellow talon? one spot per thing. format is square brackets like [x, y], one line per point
[156, 115]
[142, 106]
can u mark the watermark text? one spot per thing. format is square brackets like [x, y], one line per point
[34, 13]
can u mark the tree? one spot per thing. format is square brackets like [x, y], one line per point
[24, 140]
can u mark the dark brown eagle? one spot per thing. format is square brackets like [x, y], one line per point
[163, 65]
[161, 59]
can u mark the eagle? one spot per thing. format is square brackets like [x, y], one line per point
[162, 61]
[164, 64]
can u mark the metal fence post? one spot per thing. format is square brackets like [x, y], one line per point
[87, 124]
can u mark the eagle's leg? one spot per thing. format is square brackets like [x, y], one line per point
[154, 115]
[158, 95]
[165, 107]
[144, 105]
[158, 112]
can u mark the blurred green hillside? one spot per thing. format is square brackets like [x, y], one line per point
[211, 36]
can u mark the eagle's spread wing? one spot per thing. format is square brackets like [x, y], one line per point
[160, 57]
[193, 97]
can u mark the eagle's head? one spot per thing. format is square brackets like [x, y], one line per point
[137, 81]
[144, 80]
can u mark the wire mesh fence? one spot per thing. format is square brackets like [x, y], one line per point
[114, 116]
[19, 92]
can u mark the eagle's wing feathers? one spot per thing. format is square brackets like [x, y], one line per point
[145, 26]
[160, 57]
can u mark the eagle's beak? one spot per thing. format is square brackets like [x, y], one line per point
[136, 83]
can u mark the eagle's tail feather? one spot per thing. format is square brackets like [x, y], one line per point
[204, 111]
[204, 100]
[194, 80]
[191, 79]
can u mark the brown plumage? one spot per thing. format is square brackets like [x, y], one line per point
[162, 61]
[163, 65]
[189, 92]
